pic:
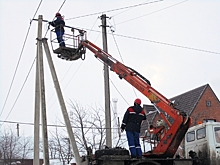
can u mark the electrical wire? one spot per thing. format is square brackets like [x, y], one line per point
[68, 71]
[92, 26]
[67, 83]
[152, 12]
[54, 17]
[116, 44]
[129, 7]
[62, 5]
[114, 84]
[168, 44]
[119, 92]
[64, 78]
[121, 57]
[49, 125]
[19, 58]
[20, 91]
[195, 49]
[162, 43]
[107, 11]
[124, 11]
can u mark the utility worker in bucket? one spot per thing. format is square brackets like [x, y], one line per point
[131, 123]
[59, 28]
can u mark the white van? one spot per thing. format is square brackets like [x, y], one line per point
[204, 139]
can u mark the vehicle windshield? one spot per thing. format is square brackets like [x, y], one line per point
[217, 134]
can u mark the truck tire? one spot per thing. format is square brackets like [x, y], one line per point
[111, 151]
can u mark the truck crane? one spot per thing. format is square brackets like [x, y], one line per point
[177, 127]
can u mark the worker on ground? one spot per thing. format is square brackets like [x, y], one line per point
[59, 28]
[131, 123]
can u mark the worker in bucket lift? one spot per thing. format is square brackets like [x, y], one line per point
[131, 123]
[59, 28]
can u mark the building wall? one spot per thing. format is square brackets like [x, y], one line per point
[204, 111]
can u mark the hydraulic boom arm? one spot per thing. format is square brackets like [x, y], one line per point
[168, 145]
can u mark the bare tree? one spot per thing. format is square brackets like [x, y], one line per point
[52, 148]
[89, 127]
[14, 147]
[26, 146]
[59, 147]
[89, 131]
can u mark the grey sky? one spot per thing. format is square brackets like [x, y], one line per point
[169, 42]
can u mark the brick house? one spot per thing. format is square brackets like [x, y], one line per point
[200, 103]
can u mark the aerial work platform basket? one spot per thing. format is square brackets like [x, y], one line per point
[73, 49]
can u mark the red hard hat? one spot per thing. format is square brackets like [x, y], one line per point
[58, 14]
[138, 101]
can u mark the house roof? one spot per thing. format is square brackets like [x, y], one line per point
[187, 101]
[149, 108]
[184, 102]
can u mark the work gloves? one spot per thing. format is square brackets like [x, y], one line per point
[123, 127]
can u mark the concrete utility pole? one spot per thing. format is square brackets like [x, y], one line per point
[42, 91]
[115, 120]
[62, 103]
[17, 129]
[107, 90]
[37, 105]
[40, 101]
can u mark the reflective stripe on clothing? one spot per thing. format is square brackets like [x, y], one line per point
[134, 144]
[133, 118]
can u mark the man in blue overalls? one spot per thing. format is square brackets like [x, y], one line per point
[59, 24]
[131, 123]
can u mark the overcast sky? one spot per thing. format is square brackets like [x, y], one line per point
[173, 43]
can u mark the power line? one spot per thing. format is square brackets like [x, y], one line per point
[162, 43]
[20, 91]
[19, 58]
[122, 61]
[49, 125]
[67, 83]
[113, 10]
[119, 92]
[19, 63]
[62, 5]
[69, 70]
[112, 32]
[168, 44]
[122, 11]
[93, 25]
[54, 17]
[152, 12]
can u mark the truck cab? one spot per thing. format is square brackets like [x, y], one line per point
[204, 140]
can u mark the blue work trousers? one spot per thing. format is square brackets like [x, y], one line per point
[60, 37]
[134, 144]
